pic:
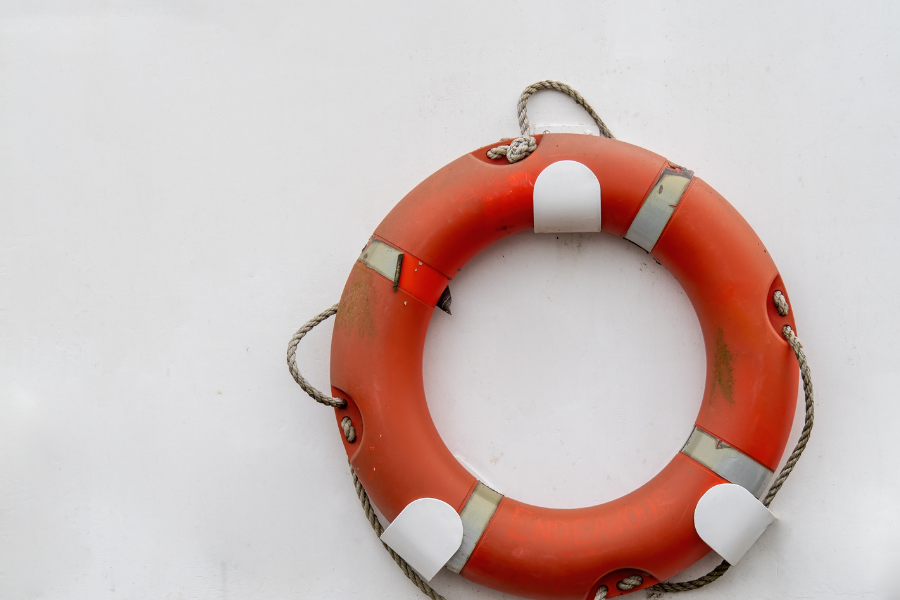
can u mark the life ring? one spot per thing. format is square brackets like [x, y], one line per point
[386, 306]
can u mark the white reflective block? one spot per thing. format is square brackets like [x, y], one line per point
[730, 520]
[566, 199]
[427, 533]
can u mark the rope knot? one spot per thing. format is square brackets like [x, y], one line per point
[629, 583]
[520, 148]
[349, 429]
[517, 149]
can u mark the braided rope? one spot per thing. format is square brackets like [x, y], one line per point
[525, 144]
[629, 583]
[806, 375]
[781, 303]
[292, 361]
[694, 584]
[348, 429]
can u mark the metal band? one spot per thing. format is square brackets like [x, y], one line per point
[658, 207]
[384, 259]
[727, 462]
[475, 517]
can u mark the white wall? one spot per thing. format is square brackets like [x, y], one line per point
[183, 184]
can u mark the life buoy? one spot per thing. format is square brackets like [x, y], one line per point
[379, 334]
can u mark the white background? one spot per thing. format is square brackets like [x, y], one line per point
[183, 184]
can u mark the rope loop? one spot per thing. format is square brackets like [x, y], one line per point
[525, 144]
[292, 361]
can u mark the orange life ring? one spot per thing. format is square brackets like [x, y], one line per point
[751, 381]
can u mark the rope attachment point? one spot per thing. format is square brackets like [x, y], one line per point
[348, 429]
[525, 144]
[629, 583]
[781, 303]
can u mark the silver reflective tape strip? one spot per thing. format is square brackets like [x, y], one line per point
[382, 258]
[727, 462]
[475, 517]
[658, 207]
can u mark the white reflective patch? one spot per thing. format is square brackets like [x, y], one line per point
[475, 517]
[730, 520]
[727, 462]
[566, 199]
[382, 258]
[427, 533]
[658, 207]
